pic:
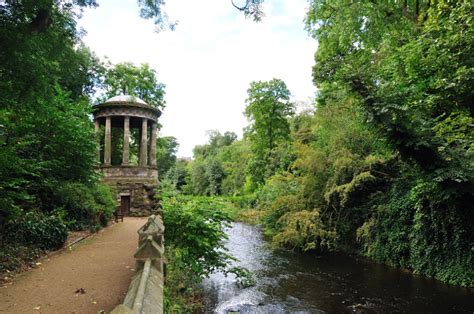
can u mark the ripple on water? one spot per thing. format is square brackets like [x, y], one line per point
[304, 283]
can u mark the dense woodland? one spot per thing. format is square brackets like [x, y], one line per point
[382, 166]
[49, 81]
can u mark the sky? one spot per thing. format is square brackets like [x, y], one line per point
[209, 60]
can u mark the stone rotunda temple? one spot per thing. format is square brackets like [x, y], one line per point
[126, 129]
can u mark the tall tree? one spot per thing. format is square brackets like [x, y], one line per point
[46, 76]
[408, 66]
[268, 109]
[46, 135]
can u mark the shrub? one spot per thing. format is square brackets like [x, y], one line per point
[38, 229]
[105, 203]
[305, 230]
[87, 207]
[13, 255]
[195, 231]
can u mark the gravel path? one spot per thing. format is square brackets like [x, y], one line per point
[101, 266]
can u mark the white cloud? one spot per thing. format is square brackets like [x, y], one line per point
[208, 62]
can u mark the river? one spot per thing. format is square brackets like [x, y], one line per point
[289, 282]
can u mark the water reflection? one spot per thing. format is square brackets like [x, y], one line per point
[304, 283]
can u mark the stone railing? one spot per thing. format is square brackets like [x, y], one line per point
[145, 293]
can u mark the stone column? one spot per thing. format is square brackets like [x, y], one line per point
[143, 143]
[126, 141]
[152, 157]
[97, 139]
[108, 141]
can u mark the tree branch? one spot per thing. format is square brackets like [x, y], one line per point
[241, 8]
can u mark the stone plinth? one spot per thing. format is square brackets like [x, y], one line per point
[129, 173]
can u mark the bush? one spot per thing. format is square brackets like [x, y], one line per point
[40, 230]
[195, 230]
[87, 207]
[195, 248]
[14, 255]
[105, 201]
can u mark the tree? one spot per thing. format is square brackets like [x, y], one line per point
[179, 174]
[391, 68]
[129, 79]
[268, 109]
[215, 174]
[166, 148]
[199, 178]
[215, 143]
[46, 134]
[251, 8]
[407, 67]
[38, 16]
[208, 171]
[47, 76]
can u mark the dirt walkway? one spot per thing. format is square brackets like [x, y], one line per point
[101, 265]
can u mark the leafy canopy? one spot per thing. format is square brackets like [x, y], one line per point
[268, 109]
[129, 79]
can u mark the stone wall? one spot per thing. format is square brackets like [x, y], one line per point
[142, 197]
[145, 293]
[139, 183]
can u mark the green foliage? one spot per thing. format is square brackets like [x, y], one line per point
[200, 180]
[179, 176]
[166, 148]
[219, 166]
[410, 72]
[86, 206]
[268, 109]
[14, 256]
[195, 235]
[245, 277]
[305, 230]
[129, 79]
[217, 141]
[39, 230]
[234, 161]
[195, 232]
[46, 135]
[179, 295]
[401, 183]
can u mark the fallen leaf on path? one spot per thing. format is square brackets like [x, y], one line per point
[37, 308]
[94, 302]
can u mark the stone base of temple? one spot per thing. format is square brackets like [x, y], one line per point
[135, 188]
[141, 197]
[129, 173]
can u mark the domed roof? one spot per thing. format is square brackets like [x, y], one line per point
[126, 105]
[126, 98]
